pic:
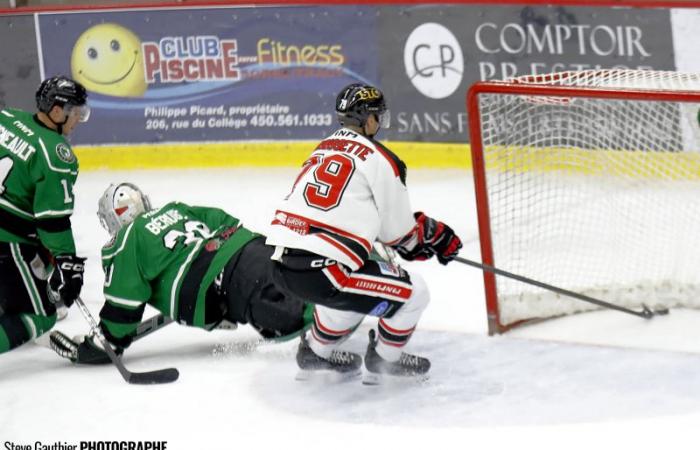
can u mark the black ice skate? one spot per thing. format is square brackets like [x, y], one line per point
[408, 366]
[63, 345]
[347, 364]
[83, 352]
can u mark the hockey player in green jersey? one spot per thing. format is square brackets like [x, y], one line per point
[197, 265]
[37, 173]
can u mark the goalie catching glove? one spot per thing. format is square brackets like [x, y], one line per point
[429, 238]
[83, 349]
[66, 279]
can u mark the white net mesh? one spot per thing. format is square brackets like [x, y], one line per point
[594, 195]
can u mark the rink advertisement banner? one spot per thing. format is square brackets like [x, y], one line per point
[19, 68]
[432, 54]
[238, 74]
[220, 74]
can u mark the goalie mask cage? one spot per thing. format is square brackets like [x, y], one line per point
[589, 181]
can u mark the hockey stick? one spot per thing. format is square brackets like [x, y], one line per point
[150, 325]
[153, 377]
[143, 329]
[645, 313]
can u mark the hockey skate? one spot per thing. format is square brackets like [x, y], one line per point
[80, 350]
[408, 366]
[341, 363]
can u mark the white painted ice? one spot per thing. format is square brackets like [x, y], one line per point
[593, 382]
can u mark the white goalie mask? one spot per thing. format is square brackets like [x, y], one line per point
[120, 205]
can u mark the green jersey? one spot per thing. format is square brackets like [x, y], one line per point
[37, 172]
[167, 258]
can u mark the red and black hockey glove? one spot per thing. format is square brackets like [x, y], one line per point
[429, 237]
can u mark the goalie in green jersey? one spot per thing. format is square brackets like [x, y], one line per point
[38, 265]
[196, 265]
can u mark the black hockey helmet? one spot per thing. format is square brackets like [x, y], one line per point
[357, 101]
[61, 91]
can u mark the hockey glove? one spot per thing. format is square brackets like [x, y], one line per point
[84, 349]
[429, 237]
[66, 279]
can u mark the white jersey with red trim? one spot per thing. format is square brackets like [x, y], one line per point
[350, 192]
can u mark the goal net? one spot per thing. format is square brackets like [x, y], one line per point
[589, 181]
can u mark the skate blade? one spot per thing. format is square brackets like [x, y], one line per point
[372, 379]
[328, 376]
[379, 379]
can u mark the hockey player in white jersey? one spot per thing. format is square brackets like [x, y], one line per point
[350, 193]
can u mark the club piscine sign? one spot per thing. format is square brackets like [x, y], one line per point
[191, 58]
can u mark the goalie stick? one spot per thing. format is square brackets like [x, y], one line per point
[645, 313]
[154, 377]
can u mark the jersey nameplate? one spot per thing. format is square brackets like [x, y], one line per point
[346, 146]
[15, 145]
[163, 221]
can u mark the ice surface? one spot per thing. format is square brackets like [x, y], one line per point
[600, 379]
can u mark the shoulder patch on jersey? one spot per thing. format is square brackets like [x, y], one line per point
[65, 153]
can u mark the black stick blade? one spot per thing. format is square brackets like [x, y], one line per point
[156, 377]
[646, 312]
[660, 310]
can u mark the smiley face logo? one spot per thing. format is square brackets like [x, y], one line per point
[107, 59]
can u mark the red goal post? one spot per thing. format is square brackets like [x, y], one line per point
[573, 161]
